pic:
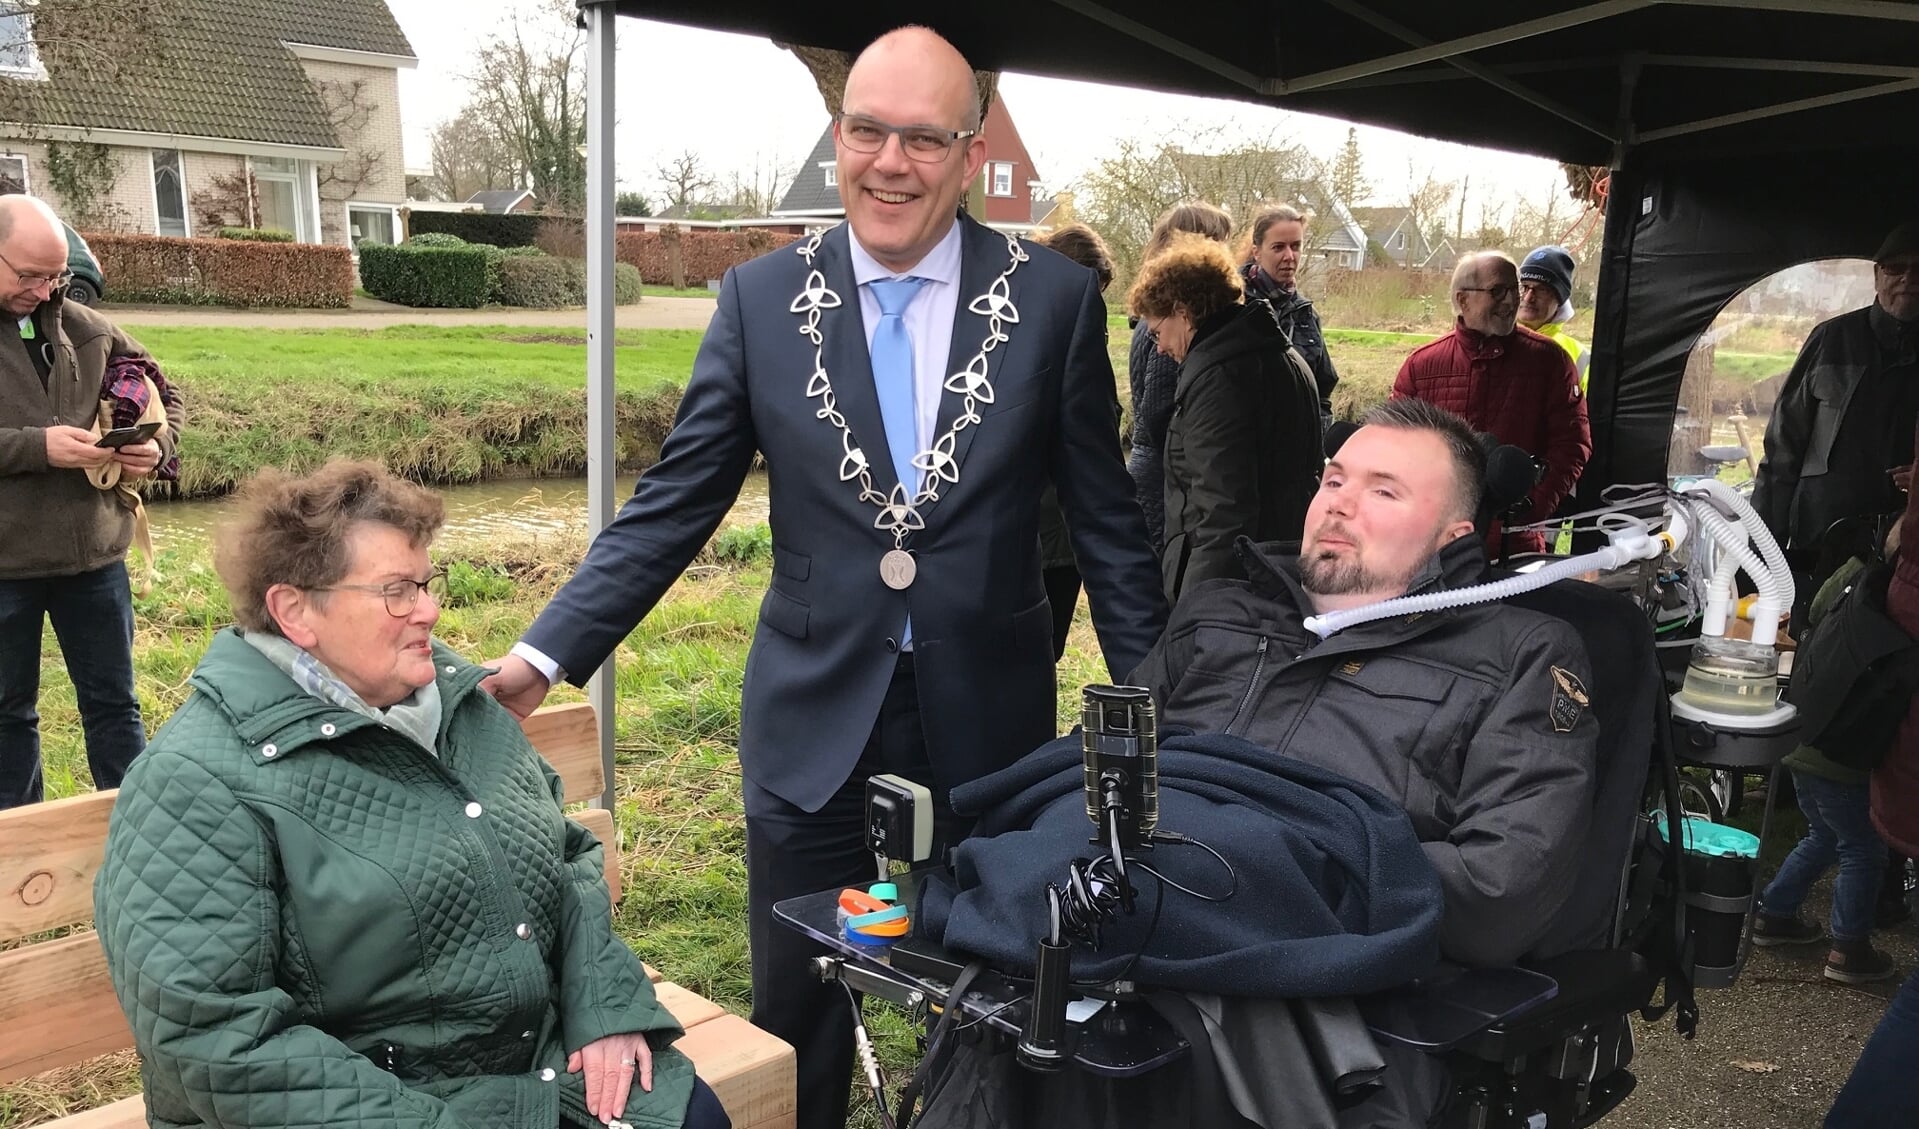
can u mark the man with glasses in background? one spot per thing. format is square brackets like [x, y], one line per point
[913, 380]
[1508, 382]
[1840, 441]
[63, 540]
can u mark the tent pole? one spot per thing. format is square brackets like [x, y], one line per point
[601, 452]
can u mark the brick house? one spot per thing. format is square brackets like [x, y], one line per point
[303, 96]
[1016, 200]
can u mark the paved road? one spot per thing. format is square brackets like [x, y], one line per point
[650, 313]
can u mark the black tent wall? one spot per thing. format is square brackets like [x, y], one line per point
[1683, 239]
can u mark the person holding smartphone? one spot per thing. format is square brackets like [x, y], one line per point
[63, 541]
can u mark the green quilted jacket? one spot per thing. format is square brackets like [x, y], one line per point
[312, 922]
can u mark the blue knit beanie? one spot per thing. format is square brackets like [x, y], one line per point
[1552, 266]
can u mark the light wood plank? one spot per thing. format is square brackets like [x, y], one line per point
[127, 1113]
[49, 854]
[751, 1071]
[690, 1009]
[600, 822]
[57, 1007]
[569, 738]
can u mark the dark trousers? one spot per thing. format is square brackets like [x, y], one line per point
[1062, 591]
[92, 616]
[791, 852]
[1880, 1092]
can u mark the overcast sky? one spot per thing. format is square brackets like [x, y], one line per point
[735, 100]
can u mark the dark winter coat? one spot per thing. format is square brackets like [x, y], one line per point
[1522, 389]
[1476, 721]
[1243, 449]
[311, 920]
[1895, 783]
[1151, 376]
[1299, 323]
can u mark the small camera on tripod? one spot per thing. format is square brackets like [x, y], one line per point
[1120, 741]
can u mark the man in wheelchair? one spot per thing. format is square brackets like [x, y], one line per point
[1482, 723]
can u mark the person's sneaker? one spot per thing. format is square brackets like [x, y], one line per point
[1769, 929]
[1857, 962]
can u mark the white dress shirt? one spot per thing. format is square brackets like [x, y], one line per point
[929, 323]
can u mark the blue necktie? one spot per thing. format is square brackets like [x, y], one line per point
[893, 375]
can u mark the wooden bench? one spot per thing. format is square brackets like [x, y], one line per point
[57, 1006]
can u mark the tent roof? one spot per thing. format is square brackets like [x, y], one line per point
[1569, 80]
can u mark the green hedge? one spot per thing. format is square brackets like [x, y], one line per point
[626, 284]
[425, 276]
[543, 281]
[479, 227]
[256, 234]
[435, 239]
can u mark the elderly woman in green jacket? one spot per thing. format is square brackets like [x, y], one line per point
[339, 887]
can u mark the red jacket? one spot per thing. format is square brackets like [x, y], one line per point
[1523, 390]
[1895, 783]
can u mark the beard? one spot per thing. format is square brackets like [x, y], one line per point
[1327, 574]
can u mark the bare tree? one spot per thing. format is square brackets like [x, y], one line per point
[469, 157]
[759, 188]
[1426, 199]
[1123, 194]
[529, 89]
[684, 181]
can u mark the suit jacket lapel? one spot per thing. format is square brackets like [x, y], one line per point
[982, 258]
[846, 358]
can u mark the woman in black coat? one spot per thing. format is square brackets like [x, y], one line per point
[1151, 374]
[1242, 450]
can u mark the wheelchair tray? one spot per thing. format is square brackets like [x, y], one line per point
[1438, 1012]
[1116, 1041]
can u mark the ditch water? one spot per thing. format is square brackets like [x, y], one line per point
[516, 507]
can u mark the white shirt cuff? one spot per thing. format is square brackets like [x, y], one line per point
[546, 666]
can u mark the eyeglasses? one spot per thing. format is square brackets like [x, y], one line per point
[1497, 292]
[1907, 269]
[53, 281]
[401, 596]
[926, 143]
[1528, 289]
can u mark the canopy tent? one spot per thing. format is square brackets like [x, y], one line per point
[1745, 135]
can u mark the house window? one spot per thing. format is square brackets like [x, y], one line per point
[1399, 243]
[1002, 182]
[832, 176]
[19, 58]
[287, 196]
[13, 174]
[371, 223]
[169, 193]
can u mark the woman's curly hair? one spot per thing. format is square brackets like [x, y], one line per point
[1194, 273]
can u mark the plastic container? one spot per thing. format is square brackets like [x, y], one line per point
[1732, 676]
[1720, 864]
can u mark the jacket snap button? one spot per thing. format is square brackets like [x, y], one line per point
[326, 730]
[450, 670]
[546, 1074]
[526, 1034]
[269, 751]
[523, 931]
[473, 809]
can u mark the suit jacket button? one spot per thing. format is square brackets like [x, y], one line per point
[892, 645]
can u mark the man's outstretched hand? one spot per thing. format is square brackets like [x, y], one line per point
[518, 686]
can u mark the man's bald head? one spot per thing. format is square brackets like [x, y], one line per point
[33, 245]
[924, 56]
[29, 218]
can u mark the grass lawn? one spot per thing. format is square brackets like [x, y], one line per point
[651, 291]
[437, 403]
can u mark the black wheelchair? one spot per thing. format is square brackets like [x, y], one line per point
[1547, 1045]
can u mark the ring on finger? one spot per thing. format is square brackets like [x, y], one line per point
[626, 1062]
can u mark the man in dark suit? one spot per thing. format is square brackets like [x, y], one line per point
[906, 629]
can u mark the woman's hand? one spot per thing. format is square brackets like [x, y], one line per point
[611, 1066]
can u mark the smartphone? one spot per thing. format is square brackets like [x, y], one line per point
[122, 436]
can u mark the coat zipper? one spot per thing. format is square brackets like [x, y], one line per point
[1259, 666]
